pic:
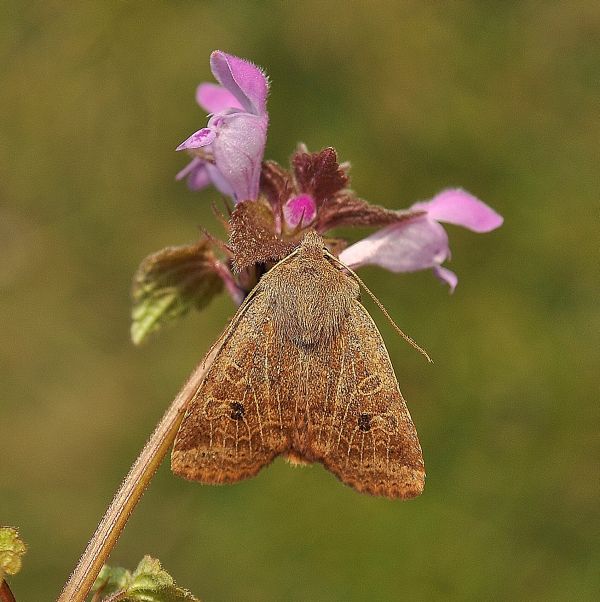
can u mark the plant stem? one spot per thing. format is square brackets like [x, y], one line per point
[132, 489]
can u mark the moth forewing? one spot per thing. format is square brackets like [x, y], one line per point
[302, 371]
[225, 435]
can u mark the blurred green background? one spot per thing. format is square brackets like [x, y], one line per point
[497, 97]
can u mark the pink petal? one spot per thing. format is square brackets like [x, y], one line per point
[198, 139]
[195, 163]
[196, 173]
[213, 98]
[409, 246]
[447, 276]
[456, 206]
[238, 150]
[301, 208]
[243, 79]
[200, 174]
[218, 180]
[199, 179]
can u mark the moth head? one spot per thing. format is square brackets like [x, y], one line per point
[312, 245]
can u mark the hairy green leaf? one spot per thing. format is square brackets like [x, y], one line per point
[12, 549]
[170, 283]
[111, 580]
[148, 583]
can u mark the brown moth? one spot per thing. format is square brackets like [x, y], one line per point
[302, 371]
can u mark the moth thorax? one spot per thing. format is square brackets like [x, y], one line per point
[309, 329]
[312, 311]
[311, 247]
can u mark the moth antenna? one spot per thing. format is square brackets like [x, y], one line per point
[383, 309]
[390, 320]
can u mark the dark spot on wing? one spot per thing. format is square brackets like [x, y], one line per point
[237, 410]
[364, 422]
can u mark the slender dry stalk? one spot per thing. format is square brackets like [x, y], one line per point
[132, 489]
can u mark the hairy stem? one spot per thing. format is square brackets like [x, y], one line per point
[132, 489]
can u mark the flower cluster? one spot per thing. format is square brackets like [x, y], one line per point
[274, 207]
[232, 145]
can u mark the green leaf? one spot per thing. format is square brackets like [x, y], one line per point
[12, 549]
[148, 583]
[111, 580]
[170, 283]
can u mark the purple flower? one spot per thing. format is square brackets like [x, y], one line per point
[233, 143]
[421, 243]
